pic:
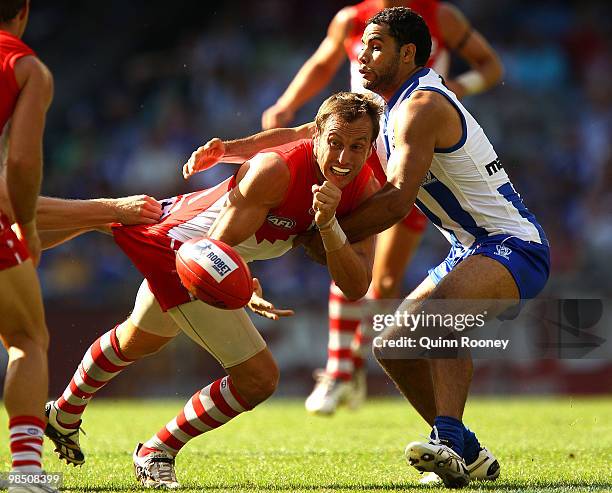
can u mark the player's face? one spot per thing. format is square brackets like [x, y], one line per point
[379, 60]
[342, 148]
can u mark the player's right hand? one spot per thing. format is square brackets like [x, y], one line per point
[28, 234]
[263, 307]
[137, 209]
[276, 116]
[204, 157]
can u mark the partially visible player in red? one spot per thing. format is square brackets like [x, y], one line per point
[26, 91]
[450, 32]
[314, 180]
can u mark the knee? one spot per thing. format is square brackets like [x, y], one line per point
[386, 285]
[258, 385]
[28, 341]
[135, 343]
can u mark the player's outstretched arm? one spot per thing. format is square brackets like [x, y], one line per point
[350, 265]
[239, 150]
[486, 67]
[61, 214]
[53, 213]
[315, 74]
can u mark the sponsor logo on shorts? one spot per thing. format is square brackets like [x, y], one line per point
[503, 251]
[281, 222]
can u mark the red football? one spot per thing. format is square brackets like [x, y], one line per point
[215, 273]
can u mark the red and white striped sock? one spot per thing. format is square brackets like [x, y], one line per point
[102, 362]
[344, 319]
[208, 409]
[26, 436]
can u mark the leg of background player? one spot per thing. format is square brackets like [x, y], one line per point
[25, 336]
[395, 248]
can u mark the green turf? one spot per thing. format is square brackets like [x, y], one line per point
[542, 444]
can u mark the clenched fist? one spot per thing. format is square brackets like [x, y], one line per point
[137, 209]
[325, 200]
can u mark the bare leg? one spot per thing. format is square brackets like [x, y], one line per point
[25, 336]
[476, 278]
[413, 377]
[395, 247]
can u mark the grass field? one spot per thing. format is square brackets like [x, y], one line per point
[542, 444]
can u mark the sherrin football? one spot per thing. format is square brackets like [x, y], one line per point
[214, 273]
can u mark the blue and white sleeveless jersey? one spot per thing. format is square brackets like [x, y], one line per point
[466, 193]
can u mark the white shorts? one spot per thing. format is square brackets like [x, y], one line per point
[228, 335]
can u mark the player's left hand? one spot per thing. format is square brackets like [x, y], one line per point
[263, 307]
[137, 209]
[325, 200]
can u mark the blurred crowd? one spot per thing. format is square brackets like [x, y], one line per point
[140, 84]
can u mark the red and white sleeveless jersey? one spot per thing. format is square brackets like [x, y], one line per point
[191, 215]
[428, 9]
[152, 247]
[11, 50]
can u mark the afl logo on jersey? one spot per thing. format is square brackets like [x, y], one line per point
[281, 222]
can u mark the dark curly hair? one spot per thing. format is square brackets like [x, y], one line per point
[406, 26]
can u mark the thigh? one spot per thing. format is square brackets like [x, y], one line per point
[148, 315]
[21, 302]
[423, 290]
[228, 335]
[477, 284]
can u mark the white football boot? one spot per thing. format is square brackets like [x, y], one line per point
[155, 470]
[66, 440]
[327, 395]
[434, 456]
[484, 468]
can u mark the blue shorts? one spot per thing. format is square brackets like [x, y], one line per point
[527, 261]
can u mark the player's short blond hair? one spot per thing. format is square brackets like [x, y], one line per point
[348, 107]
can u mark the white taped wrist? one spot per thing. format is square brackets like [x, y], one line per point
[332, 235]
[473, 82]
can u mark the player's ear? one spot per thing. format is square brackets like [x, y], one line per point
[408, 52]
[370, 150]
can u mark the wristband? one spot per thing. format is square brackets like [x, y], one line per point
[473, 82]
[332, 235]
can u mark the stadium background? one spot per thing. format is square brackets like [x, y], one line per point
[140, 84]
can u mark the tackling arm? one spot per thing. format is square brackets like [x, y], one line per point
[486, 67]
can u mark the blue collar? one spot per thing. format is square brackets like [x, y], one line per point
[413, 78]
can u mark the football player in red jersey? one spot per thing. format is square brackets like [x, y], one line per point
[314, 180]
[343, 380]
[26, 90]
